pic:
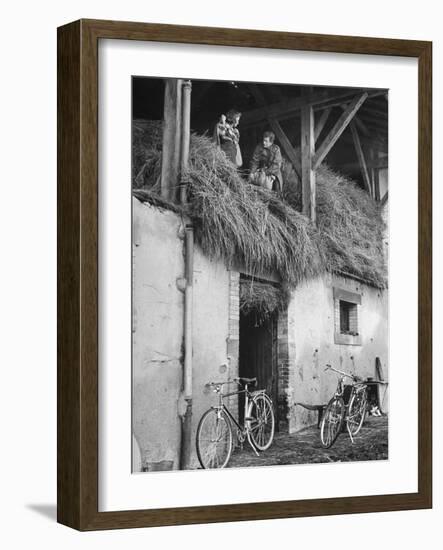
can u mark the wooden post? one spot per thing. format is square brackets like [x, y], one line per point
[307, 156]
[172, 121]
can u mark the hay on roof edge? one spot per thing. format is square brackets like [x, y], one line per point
[237, 222]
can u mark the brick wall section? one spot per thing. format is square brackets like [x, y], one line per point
[286, 365]
[232, 343]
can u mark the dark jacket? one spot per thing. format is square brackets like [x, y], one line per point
[269, 160]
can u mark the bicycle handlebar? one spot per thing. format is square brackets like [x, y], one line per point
[232, 381]
[351, 376]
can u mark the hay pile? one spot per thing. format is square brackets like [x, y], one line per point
[147, 138]
[349, 223]
[240, 223]
[262, 298]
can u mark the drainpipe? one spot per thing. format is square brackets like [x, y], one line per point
[186, 440]
[186, 134]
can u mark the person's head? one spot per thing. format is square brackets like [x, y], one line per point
[268, 139]
[223, 119]
[233, 117]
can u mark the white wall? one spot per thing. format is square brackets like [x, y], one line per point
[158, 312]
[28, 233]
[157, 334]
[313, 329]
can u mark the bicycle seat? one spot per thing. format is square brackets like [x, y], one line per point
[248, 380]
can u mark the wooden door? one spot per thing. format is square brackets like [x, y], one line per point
[258, 353]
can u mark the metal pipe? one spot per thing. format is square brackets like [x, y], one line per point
[189, 268]
[185, 134]
[186, 442]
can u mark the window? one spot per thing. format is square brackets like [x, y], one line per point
[348, 318]
[346, 313]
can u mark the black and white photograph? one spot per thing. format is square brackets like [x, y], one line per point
[259, 274]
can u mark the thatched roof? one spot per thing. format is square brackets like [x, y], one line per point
[238, 222]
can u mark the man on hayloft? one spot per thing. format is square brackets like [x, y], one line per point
[266, 164]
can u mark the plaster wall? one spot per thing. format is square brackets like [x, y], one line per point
[157, 335]
[311, 329]
[210, 335]
[158, 330]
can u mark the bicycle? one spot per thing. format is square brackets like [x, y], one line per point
[336, 412]
[214, 439]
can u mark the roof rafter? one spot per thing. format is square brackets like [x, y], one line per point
[338, 128]
[291, 107]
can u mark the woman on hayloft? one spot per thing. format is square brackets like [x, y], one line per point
[227, 136]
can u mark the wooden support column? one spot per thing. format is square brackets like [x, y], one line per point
[307, 157]
[172, 121]
[338, 129]
[361, 159]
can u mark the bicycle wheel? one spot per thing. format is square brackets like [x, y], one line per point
[356, 412]
[214, 439]
[332, 421]
[262, 421]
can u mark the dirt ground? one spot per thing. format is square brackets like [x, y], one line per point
[304, 447]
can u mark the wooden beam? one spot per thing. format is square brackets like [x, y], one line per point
[338, 129]
[358, 121]
[307, 157]
[172, 119]
[290, 107]
[321, 122]
[361, 158]
[278, 131]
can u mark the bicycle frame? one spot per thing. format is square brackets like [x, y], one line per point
[357, 386]
[243, 431]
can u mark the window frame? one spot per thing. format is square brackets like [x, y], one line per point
[343, 295]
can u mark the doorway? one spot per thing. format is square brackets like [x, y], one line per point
[258, 354]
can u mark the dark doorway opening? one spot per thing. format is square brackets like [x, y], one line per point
[258, 355]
